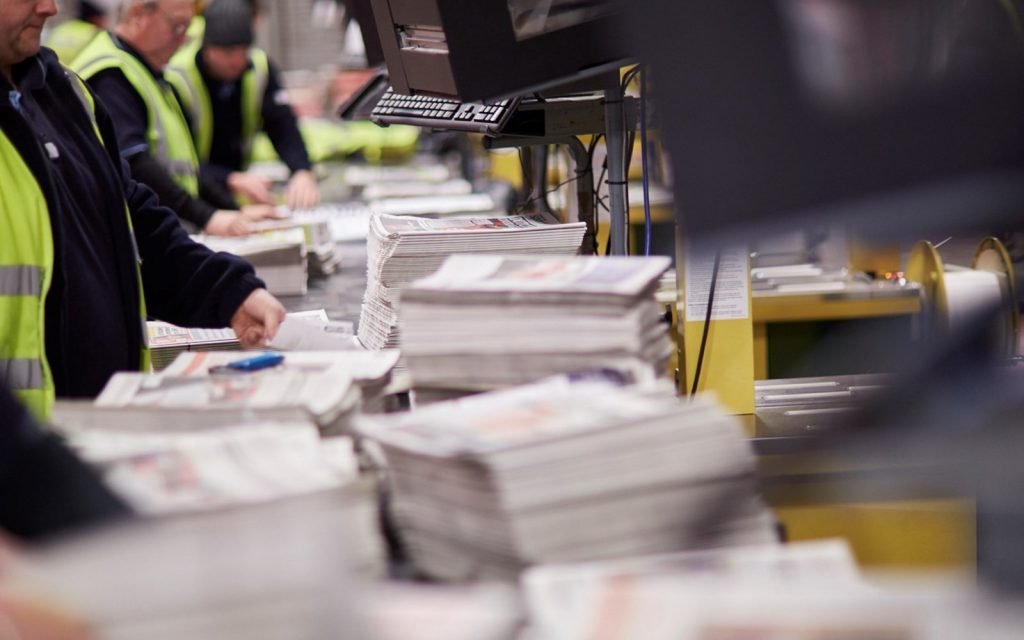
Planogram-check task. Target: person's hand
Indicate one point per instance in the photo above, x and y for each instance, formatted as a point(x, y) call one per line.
point(256, 321)
point(256, 212)
point(302, 191)
point(32, 617)
point(250, 186)
point(227, 223)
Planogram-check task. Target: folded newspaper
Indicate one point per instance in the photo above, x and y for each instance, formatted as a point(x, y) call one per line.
point(416, 188)
point(435, 205)
point(369, 370)
point(279, 258)
point(410, 611)
point(485, 322)
point(402, 249)
point(315, 224)
point(572, 601)
point(566, 470)
point(173, 461)
point(263, 572)
point(166, 340)
point(329, 396)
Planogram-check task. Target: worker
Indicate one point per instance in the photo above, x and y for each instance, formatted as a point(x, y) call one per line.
point(231, 91)
point(124, 69)
point(44, 488)
point(86, 252)
point(70, 37)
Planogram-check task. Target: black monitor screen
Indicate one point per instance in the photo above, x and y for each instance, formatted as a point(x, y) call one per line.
point(535, 17)
point(488, 49)
point(896, 115)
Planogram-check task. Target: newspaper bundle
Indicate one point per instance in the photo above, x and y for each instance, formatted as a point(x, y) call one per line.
point(279, 258)
point(369, 370)
point(330, 397)
point(801, 591)
point(175, 461)
point(166, 341)
point(565, 470)
point(360, 176)
point(263, 572)
point(575, 601)
point(481, 204)
point(409, 611)
point(416, 188)
point(315, 224)
point(404, 248)
point(325, 225)
point(486, 322)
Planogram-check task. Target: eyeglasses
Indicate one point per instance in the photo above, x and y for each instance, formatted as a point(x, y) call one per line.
point(178, 28)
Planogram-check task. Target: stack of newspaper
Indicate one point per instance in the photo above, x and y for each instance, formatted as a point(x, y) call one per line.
point(264, 572)
point(369, 370)
point(566, 470)
point(359, 177)
point(279, 257)
point(329, 396)
point(416, 188)
point(315, 224)
point(480, 204)
point(643, 594)
point(486, 322)
point(401, 249)
point(410, 611)
point(166, 341)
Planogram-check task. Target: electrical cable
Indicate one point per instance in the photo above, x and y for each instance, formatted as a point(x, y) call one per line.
point(707, 324)
point(629, 75)
point(522, 207)
point(643, 162)
point(526, 174)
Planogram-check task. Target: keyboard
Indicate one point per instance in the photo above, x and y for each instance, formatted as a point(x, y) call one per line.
point(440, 113)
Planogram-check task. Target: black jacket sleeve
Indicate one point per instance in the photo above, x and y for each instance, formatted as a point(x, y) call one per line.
point(149, 172)
point(213, 186)
point(185, 283)
point(44, 488)
point(281, 126)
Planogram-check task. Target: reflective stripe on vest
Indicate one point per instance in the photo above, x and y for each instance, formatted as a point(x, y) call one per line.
point(26, 265)
point(26, 261)
point(184, 74)
point(22, 374)
point(21, 280)
point(170, 143)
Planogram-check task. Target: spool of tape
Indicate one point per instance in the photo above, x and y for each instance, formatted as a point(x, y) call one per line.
point(991, 255)
point(956, 296)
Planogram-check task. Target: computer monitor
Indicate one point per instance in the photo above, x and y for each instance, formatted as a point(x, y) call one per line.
point(361, 12)
point(487, 49)
point(899, 117)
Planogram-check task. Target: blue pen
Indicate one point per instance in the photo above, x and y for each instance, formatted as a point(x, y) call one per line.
point(255, 363)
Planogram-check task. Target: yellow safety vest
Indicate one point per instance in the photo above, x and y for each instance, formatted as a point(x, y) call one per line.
point(170, 142)
point(26, 271)
point(183, 73)
point(70, 38)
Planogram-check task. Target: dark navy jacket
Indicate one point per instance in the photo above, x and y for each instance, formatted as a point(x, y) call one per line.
point(92, 322)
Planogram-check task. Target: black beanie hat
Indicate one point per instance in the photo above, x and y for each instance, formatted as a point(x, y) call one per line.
point(88, 11)
point(228, 23)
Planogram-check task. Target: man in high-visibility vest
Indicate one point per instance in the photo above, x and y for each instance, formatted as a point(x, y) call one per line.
point(125, 69)
point(70, 37)
point(231, 91)
point(86, 252)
